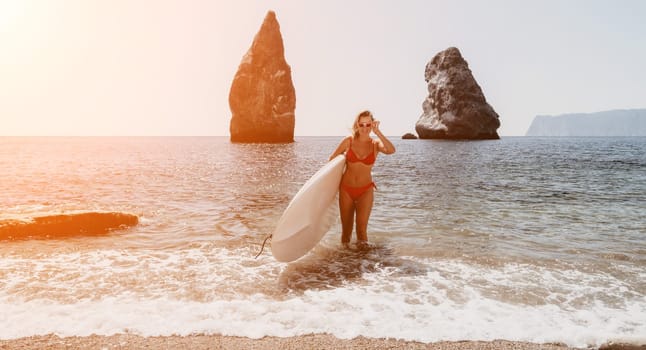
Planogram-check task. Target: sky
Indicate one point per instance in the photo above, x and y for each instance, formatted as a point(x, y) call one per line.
point(165, 67)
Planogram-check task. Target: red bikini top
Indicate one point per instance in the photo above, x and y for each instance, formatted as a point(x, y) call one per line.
point(351, 157)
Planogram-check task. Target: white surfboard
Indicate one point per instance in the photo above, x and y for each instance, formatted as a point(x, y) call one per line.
point(303, 223)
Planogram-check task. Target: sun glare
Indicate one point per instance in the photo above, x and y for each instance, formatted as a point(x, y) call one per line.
point(11, 11)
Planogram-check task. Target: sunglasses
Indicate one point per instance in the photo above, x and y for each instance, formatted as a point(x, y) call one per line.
point(365, 125)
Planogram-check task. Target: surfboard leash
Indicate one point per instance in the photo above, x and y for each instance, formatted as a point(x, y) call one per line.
point(263, 245)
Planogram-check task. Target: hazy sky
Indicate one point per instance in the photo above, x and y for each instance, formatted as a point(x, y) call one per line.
point(156, 67)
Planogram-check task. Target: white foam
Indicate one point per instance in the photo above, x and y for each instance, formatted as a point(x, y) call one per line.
point(209, 290)
point(345, 313)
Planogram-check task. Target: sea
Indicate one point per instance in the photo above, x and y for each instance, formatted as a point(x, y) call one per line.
point(523, 238)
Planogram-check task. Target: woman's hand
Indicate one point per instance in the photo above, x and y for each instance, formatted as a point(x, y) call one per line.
point(375, 126)
point(385, 146)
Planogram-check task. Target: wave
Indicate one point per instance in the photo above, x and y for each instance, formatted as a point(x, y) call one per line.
point(66, 225)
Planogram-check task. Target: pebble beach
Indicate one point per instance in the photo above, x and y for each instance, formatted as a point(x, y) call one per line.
point(196, 342)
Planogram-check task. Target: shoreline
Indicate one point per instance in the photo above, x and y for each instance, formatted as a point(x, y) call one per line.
point(308, 341)
point(311, 341)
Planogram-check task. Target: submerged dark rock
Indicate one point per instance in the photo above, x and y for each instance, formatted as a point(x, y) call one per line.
point(409, 136)
point(455, 108)
point(66, 225)
point(262, 96)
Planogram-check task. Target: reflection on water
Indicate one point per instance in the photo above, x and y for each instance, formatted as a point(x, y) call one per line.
point(507, 199)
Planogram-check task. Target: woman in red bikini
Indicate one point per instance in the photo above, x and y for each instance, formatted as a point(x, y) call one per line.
point(356, 190)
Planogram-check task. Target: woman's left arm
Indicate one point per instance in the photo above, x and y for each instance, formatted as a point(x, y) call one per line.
point(385, 146)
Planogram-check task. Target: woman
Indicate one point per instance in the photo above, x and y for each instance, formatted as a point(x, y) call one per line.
point(356, 189)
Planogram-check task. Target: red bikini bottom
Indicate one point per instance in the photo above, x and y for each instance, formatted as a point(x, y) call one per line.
point(356, 192)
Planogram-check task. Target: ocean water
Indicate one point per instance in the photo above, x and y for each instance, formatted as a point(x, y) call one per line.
point(528, 239)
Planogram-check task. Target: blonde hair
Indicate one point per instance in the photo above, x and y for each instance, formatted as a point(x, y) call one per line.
point(355, 125)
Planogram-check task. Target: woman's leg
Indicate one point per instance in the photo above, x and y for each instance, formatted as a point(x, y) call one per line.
point(364, 207)
point(346, 209)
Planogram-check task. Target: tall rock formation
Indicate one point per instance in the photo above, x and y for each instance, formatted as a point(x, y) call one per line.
point(621, 122)
point(262, 97)
point(455, 107)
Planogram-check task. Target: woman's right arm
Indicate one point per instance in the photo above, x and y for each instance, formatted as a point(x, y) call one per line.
point(343, 146)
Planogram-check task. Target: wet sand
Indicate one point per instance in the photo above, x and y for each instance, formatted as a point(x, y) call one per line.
point(315, 341)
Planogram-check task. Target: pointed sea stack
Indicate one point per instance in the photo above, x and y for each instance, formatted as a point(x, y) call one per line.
point(455, 107)
point(262, 97)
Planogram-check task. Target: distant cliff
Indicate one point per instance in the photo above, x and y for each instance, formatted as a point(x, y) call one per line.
point(623, 122)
